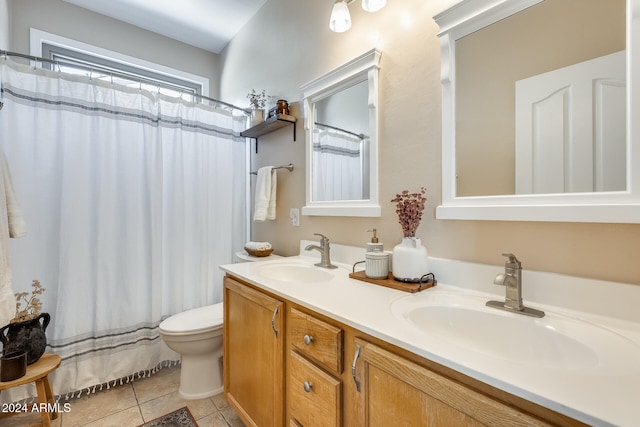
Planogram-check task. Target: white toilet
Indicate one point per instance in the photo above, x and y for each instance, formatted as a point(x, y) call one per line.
point(197, 336)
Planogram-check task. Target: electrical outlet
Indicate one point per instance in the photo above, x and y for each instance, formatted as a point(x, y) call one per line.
point(294, 215)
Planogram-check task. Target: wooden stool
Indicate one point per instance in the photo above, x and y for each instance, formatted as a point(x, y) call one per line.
point(38, 372)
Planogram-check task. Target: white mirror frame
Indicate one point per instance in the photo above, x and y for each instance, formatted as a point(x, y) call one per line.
point(363, 68)
point(605, 207)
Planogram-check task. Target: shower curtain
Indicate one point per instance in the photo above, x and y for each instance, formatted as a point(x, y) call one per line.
point(132, 201)
point(337, 165)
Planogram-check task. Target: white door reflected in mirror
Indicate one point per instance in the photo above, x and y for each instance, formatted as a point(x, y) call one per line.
point(571, 128)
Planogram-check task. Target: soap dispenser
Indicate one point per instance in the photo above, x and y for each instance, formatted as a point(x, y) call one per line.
point(374, 245)
point(376, 259)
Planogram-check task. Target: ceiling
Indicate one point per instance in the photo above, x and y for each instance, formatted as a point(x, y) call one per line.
point(207, 24)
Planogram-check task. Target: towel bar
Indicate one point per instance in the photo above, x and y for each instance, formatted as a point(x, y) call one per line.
point(288, 167)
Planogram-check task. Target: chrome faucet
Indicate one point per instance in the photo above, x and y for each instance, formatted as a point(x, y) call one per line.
point(511, 279)
point(324, 249)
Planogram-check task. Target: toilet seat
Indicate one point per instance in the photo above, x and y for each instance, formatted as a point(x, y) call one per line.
point(193, 321)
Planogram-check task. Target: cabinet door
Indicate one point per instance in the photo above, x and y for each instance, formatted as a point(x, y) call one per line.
point(396, 391)
point(253, 354)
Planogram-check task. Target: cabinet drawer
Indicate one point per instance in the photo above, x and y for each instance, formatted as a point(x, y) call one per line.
point(317, 340)
point(315, 396)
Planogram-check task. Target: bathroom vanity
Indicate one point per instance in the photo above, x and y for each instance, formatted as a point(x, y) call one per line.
point(306, 346)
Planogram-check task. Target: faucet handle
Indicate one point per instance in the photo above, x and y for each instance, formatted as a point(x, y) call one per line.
point(323, 238)
point(512, 262)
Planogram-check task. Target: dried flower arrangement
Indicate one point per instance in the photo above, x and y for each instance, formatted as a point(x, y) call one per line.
point(32, 302)
point(409, 207)
point(257, 100)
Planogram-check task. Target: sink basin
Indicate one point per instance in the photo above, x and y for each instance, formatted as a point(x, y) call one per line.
point(293, 272)
point(555, 341)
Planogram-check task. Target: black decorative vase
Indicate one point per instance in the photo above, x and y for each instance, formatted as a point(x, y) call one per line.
point(28, 336)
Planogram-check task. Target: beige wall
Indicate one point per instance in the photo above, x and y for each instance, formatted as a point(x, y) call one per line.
point(66, 20)
point(288, 43)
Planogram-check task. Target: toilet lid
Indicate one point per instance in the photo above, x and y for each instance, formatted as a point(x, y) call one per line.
point(208, 317)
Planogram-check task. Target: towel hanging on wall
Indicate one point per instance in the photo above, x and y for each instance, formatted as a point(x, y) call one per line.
point(265, 194)
point(11, 225)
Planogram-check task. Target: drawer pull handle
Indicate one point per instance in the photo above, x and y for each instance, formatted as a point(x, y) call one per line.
point(308, 339)
point(273, 320)
point(353, 368)
point(307, 386)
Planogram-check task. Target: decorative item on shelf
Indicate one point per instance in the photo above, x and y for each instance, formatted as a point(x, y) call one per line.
point(258, 101)
point(410, 260)
point(258, 249)
point(257, 117)
point(26, 332)
point(282, 107)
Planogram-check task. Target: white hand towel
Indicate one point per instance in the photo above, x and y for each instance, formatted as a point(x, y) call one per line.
point(271, 210)
point(17, 225)
point(263, 194)
point(11, 225)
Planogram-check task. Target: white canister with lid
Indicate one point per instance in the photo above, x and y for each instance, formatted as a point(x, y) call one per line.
point(376, 264)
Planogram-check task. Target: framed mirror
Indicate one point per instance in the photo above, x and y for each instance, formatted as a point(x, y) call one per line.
point(537, 107)
point(341, 123)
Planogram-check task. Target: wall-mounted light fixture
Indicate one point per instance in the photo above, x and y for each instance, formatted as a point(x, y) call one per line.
point(373, 5)
point(340, 20)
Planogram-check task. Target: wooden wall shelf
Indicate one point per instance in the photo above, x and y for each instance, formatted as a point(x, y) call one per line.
point(269, 125)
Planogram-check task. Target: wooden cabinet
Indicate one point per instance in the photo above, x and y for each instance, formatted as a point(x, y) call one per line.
point(253, 354)
point(397, 391)
point(335, 375)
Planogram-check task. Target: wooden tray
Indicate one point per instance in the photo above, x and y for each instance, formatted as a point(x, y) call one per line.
point(390, 282)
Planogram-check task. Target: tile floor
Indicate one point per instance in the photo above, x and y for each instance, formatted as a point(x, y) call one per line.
point(133, 404)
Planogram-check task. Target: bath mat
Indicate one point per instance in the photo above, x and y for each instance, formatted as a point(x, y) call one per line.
point(180, 418)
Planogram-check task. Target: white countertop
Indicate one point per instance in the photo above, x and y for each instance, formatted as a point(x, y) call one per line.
point(608, 397)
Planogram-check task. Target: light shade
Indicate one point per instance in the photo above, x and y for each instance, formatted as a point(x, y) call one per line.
point(373, 5)
point(340, 20)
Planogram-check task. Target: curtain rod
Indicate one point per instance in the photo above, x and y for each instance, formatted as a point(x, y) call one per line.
point(359, 135)
point(112, 74)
